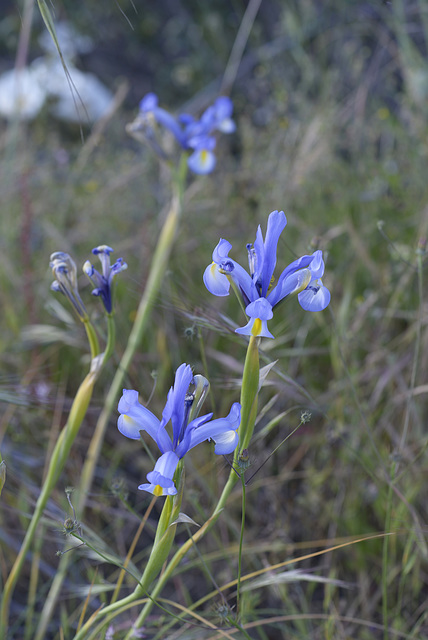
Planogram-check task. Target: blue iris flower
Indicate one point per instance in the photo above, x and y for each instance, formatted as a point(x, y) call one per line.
point(257, 288)
point(103, 281)
point(187, 432)
point(192, 135)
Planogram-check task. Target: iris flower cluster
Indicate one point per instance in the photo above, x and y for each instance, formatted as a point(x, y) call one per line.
point(192, 135)
point(182, 406)
point(257, 288)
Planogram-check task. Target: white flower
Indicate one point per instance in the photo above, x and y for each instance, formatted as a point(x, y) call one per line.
point(21, 94)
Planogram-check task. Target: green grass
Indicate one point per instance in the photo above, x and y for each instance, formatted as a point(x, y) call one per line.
point(330, 128)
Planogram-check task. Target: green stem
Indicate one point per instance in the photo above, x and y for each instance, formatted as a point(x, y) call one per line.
point(92, 338)
point(241, 541)
point(111, 337)
point(2, 473)
point(249, 393)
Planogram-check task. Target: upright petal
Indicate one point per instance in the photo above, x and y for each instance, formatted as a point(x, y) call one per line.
point(175, 405)
point(275, 226)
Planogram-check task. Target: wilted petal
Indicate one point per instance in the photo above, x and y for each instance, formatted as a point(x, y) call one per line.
point(103, 281)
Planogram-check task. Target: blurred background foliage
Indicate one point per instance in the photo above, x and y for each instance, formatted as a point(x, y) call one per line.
point(331, 106)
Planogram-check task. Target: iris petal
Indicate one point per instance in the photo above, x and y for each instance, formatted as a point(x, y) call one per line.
point(134, 417)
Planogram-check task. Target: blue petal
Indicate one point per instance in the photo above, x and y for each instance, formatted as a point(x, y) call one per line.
point(217, 283)
point(201, 161)
point(260, 308)
point(282, 289)
point(259, 311)
point(149, 102)
point(275, 226)
point(317, 264)
point(169, 122)
point(135, 418)
point(255, 328)
point(293, 283)
point(175, 405)
point(161, 478)
point(314, 298)
point(222, 430)
point(223, 110)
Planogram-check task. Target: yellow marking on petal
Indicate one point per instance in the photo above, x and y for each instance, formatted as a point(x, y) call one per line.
point(204, 156)
point(304, 282)
point(257, 327)
point(271, 283)
point(158, 491)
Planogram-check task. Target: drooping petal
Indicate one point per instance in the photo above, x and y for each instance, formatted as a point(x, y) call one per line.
point(135, 418)
point(282, 288)
point(186, 442)
point(226, 442)
point(217, 283)
point(222, 430)
point(223, 107)
point(201, 161)
point(315, 297)
point(292, 284)
point(259, 312)
point(161, 478)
